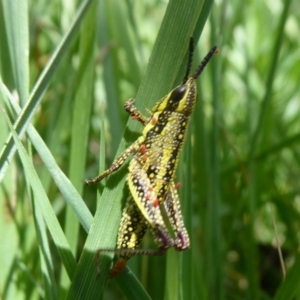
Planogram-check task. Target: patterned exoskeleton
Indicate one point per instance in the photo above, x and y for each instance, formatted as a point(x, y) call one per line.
point(152, 171)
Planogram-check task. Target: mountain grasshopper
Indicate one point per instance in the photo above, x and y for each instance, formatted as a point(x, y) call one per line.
point(152, 171)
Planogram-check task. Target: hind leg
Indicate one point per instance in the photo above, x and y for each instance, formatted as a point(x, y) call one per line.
point(132, 229)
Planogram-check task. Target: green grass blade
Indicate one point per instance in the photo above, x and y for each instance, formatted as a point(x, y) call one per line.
point(290, 285)
point(271, 77)
point(40, 87)
point(45, 207)
point(68, 191)
point(47, 265)
point(80, 123)
point(16, 25)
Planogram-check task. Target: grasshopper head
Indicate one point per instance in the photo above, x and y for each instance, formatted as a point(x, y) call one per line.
point(182, 99)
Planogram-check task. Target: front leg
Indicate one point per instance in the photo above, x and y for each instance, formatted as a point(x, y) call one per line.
point(133, 111)
point(117, 162)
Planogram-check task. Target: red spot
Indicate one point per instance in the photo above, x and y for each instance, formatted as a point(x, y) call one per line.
point(217, 51)
point(143, 149)
point(147, 196)
point(177, 185)
point(118, 267)
point(154, 120)
point(155, 203)
point(135, 118)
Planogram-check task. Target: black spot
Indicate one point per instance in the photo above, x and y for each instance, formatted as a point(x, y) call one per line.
point(178, 93)
point(159, 126)
point(175, 98)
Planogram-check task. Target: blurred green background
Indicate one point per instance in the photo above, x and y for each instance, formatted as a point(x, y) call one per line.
point(67, 68)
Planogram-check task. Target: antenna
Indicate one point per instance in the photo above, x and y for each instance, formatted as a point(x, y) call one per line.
point(204, 62)
point(190, 61)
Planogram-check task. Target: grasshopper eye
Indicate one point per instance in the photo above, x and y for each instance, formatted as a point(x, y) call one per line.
point(178, 93)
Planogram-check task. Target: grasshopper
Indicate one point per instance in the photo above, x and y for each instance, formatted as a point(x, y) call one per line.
point(152, 171)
